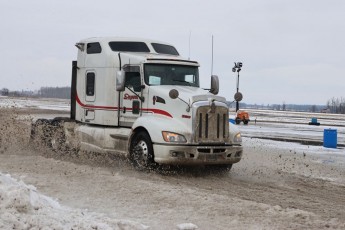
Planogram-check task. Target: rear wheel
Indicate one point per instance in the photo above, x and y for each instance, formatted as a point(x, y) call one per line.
point(245, 122)
point(238, 121)
point(57, 140)
point(40, 133)
point(141, 151)
point(49, 134)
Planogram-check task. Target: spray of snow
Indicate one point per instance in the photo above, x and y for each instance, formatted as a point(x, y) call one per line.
point(23, 207)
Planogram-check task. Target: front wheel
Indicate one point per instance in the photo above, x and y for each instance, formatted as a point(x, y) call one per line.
point(141, 151)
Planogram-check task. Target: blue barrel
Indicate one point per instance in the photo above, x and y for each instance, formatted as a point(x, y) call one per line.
point(232, 121)
point(314, 120)
point(330, 138)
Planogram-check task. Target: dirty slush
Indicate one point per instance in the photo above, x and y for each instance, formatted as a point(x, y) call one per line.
point(271, 188)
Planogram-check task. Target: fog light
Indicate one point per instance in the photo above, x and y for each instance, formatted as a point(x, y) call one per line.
point(238, 154)
point(177, 154)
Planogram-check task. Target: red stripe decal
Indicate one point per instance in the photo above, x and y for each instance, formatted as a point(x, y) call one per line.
point(93, 106)
point(156, 111)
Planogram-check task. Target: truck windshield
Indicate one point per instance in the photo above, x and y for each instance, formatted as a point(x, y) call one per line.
point(163, 74)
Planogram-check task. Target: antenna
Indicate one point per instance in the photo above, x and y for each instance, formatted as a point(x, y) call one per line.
point(212, 58)
point(190, 34)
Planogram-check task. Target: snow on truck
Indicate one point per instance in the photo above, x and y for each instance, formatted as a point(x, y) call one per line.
point(140, 98)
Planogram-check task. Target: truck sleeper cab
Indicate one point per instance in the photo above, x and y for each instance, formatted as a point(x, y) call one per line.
point(140, 98)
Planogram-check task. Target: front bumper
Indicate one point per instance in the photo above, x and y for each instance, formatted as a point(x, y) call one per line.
point(197, 154)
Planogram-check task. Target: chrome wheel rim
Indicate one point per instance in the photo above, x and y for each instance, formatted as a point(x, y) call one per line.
point(141, 151)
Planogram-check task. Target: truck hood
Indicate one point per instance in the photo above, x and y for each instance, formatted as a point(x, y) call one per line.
point(187, 93)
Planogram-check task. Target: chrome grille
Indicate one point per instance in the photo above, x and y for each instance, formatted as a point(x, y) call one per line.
point(211, 127)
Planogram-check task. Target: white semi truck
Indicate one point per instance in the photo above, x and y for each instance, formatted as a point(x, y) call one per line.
point(140, 98)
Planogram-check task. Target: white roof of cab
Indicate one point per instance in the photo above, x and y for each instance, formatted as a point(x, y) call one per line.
point(119, 39)
point(106, 40)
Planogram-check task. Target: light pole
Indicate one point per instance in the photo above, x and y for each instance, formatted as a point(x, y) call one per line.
point(238, 96)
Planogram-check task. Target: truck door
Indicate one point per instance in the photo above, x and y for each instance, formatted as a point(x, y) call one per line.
point(130, 104)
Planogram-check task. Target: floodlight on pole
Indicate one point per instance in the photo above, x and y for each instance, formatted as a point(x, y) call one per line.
point(238, 96)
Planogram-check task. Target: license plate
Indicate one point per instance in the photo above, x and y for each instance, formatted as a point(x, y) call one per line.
point(211, 157)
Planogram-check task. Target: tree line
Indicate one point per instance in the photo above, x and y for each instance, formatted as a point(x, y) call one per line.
point(282, 107)
point(333, 105)
point(336, 105)
point(47, 92)
point(55, 92)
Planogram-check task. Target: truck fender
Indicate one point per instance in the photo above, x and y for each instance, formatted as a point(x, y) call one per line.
point(155, 124)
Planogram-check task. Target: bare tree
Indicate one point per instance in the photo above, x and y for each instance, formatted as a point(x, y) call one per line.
point(313, 108)
point(336, 105)
point(284, 106)
point(55, 92)
point(4, 92)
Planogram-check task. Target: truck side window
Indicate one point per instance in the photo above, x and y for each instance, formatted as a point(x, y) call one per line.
point(124, 46)
point(164, 49)
point(93, 48)
point(90, 84)
point(133, 80)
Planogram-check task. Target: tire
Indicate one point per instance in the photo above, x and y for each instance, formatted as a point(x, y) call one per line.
point(238, 121)
point(57, 141)
point(245, 122)
point(40, 134)
point(141, 151)
point(48, 134)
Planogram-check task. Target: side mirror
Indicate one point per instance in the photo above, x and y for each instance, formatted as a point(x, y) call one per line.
point(120, 81)
point(214, 85)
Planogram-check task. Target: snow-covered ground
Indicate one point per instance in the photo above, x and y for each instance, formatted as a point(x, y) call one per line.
point(295, 117)
point(35, 103)
point(23, 207)
point(277, 184)
point(280, 125)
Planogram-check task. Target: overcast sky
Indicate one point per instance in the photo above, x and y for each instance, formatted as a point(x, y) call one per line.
point(293, 51)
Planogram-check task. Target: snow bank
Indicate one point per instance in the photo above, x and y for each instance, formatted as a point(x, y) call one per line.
point(23, 207)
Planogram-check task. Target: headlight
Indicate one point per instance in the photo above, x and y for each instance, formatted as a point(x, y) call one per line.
point(238, 138)
point(173, 137)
